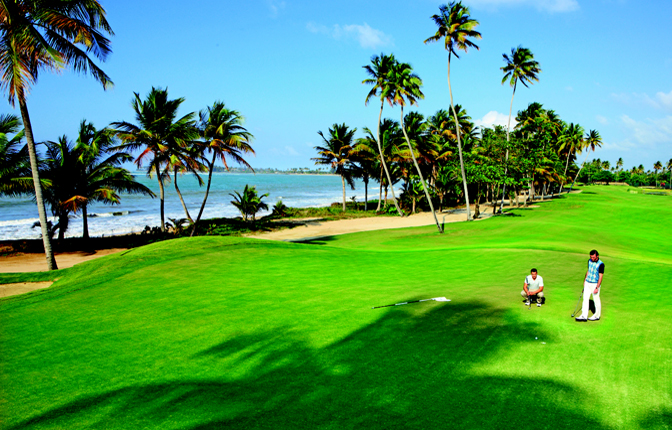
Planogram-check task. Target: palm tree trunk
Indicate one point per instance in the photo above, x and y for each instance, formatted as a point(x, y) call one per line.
point(506, 161)
point(569, 153)
point(424, 185)
point(343, 182)
point(28, 130)
point(186, 211)
point(85, 222)
point(366, 194)
point(578, 173)
point(382, 160)
point(207, 191)
point(459, 144)
point(380, 191)
point(158, 176)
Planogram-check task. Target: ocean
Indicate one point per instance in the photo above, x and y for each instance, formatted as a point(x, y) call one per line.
point(17, 215)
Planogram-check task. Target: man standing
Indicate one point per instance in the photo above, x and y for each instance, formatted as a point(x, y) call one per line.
point(533, 288)
point(591, 285)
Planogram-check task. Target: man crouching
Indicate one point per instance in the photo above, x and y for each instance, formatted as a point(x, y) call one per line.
point(533, 288)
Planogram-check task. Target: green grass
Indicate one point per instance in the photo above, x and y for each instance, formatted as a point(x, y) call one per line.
point(225, 332)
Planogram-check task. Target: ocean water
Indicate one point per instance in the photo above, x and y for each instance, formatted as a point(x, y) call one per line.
point(17, 215)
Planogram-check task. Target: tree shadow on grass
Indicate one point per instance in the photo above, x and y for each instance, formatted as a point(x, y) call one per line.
point(406, 370)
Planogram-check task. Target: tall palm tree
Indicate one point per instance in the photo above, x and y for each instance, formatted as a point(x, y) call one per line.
point(669, 168)
point(456, 28)
point(591, 141)
point(365, 154)
point(522, 67)
point(336, 153)
point(405, 87)
point(379, 70)
point(619, 164)
point(571, 140)
point(656, 167)
point(48, 35)
point(159, 133)
point(224, 138)
point(100, 173)
point(15, 176)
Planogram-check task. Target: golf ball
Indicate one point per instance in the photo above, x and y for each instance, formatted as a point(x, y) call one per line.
point(535, 338)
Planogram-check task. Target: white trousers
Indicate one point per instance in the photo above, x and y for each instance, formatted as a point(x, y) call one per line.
point(588, 289)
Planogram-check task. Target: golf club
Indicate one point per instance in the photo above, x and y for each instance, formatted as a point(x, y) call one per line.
point(436, 299)
point(529, 303)
point(576, 309)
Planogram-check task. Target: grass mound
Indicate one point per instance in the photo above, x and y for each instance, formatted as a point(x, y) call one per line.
point(222, 332)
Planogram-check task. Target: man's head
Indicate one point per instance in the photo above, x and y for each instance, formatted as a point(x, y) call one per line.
point(533, 272)
point(594, 255)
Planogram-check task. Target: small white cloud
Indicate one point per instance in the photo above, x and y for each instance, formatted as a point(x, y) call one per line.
point(551, 6)
point(660, 100)
point(365, 35)
point(290, 150)
point(649, 132)
point(602, 120)
point(494, 118)
point(276, 6)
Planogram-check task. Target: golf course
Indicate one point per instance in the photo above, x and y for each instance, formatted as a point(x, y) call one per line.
point(245, 333)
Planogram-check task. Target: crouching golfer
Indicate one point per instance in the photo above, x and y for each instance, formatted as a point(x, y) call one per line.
point(533, 288)
point(591, 285)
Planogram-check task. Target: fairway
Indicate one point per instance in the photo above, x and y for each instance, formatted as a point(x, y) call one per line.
point(237, 333)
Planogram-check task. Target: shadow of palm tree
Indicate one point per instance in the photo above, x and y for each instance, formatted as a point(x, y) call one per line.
point(405, 370)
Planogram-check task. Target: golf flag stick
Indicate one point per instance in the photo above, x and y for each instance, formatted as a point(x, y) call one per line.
point(436, 299)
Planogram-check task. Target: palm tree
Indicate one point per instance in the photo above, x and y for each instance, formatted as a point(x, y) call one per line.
point(336, 153)
point(364, 153)
point(224, 137)
point(571, 140)
point(249, 203)
point(669, 168)
point(522, 67)
point(41, 35)
point(379, 70)
point(657, 166)
point(15, 176)
point(456, 28)
point(591, 141)
point(100, 173)
point(405, 87)
point(61, 171)
point(159, 133)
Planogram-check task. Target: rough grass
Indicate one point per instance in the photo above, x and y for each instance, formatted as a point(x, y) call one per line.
point(220, 332)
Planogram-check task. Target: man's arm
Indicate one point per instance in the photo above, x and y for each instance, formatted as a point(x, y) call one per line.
point(599, 283)
point(525, 289)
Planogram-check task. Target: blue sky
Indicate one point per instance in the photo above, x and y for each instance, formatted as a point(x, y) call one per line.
point(294, 67)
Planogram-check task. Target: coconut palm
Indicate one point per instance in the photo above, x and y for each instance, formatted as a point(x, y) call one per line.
point(159, 133)
point(224, 138)
point(591, 141)
point(456, 28)
point(405, 88)
point(61, 170)
point(619, 164)
point(336, 153)
point(100, 173)
point(379, 70)
point(520, 67)
point(571, 140)
point(48, 35)
point(365, 155)
point(249, 203)
point(15, 176)
point(656, 167)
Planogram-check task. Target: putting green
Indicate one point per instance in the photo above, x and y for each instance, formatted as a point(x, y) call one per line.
point(241, 333)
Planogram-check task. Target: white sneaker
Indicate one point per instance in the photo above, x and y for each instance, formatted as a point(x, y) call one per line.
point(581, 319)
point(594, 318)
point(527, 303)
point(539, 305)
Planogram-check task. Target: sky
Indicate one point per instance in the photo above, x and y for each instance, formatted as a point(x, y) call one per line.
point(295, 67)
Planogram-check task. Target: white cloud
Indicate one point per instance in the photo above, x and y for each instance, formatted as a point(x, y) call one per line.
point(551, 6)
point(284, 151)
point(649, 132)
point(493, 118)
point(660, 100)
point(276, 6)
point(602, 120)
point(365, 35)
